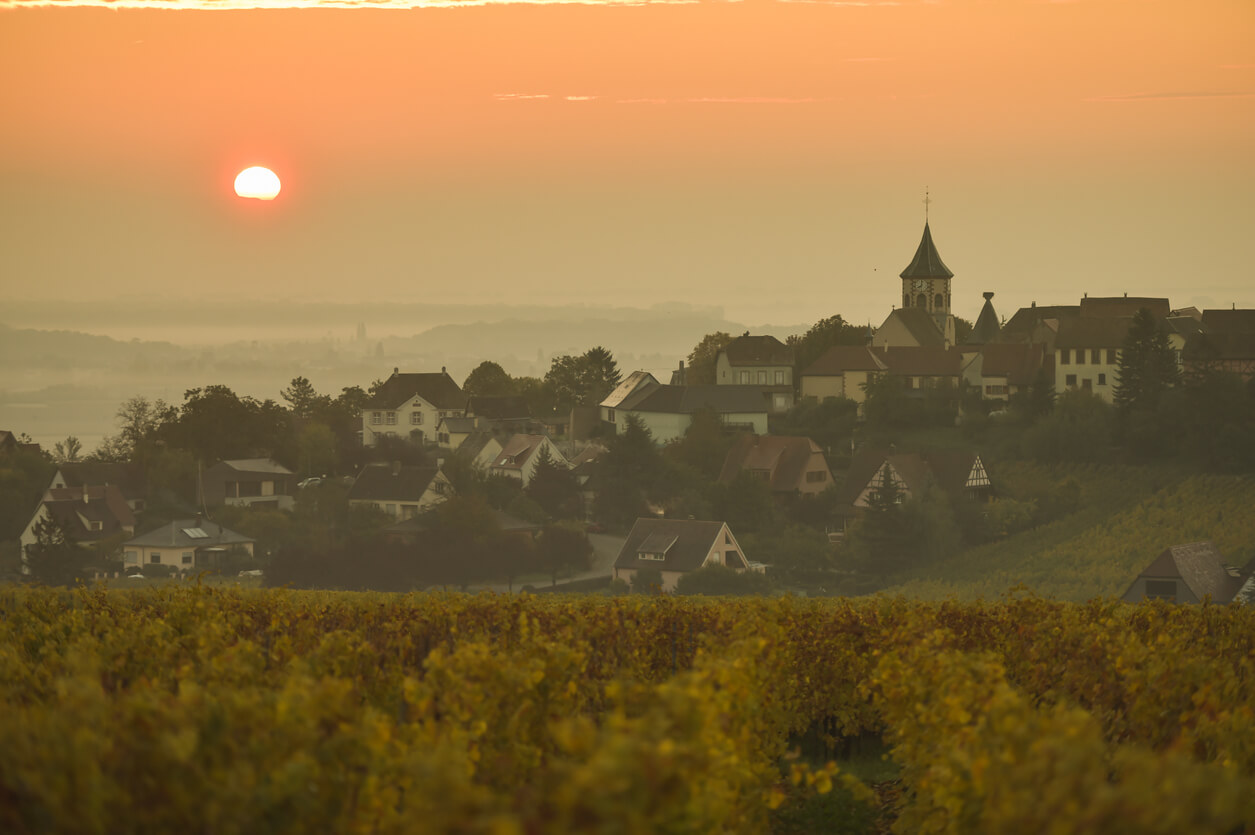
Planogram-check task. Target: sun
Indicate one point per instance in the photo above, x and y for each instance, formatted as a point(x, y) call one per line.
point(257, 183)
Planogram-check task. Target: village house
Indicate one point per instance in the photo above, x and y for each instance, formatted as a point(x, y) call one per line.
point(666, 410)
point(1189, 573)
point(790, 465)
point(186, 544)
point(129, 478)
point(762, 361)
point(249, 482)
point(520, 455)
point(401, 491)
point(959, 473)
point(410, 406)
point(675, 547)
point(95, 516)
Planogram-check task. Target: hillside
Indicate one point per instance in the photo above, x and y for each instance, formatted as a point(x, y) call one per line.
point(1125, 517)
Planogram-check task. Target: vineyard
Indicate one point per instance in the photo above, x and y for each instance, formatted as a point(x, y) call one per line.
point(186, 707)
point(1123, 519)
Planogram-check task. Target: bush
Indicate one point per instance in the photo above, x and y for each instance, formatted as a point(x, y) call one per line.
point(719, 581)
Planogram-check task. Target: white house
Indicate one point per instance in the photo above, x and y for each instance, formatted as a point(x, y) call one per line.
point(400, 491)
point(411, 406)
point(666, 410)
point(520, 454)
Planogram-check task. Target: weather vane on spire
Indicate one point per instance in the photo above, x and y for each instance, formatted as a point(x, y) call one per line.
point(927, 200)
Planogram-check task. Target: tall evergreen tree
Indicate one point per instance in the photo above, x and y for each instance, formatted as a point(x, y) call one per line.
point(1148, 366)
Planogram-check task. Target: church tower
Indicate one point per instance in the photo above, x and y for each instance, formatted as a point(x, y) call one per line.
point(926, 285)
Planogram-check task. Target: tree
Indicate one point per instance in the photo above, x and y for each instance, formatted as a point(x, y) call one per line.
point(702, 359)
point(880, 540)
point(563, 548)
point(1147, 367)
point(823, 335)
point(1078, 429)
point(704, 445)
point(582, 380)
point(627, 471)
point(747, 501)
point(554, 488)
point(67, 451)
point(304, 401)
point(141, 423)
point(214, 424)
point(54, 558)
point(316, 449)
point(488, 379)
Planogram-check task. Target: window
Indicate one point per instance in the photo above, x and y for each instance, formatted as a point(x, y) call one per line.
point(780, 402)
point(416, 418)
point(1080, 356)
point(132, 557)
point(906, 300)
point(154, 557)
point(780, 378)
point(187, 557)
point(376, 418)
point(96, 525)
point(610, 415)
point(761, 475)
point(762, 378)
point(390, 509)
point(1161, 589)
point(940, 302)
point(391, 419)
point(1065, 356)
point(1111, 356)
point(1087, 384)
point(921, 300)
point(1070, 381)
point(1102, 379)
point(909, 382)
point(816, 476)
point(745, 378)
point(1095, 356)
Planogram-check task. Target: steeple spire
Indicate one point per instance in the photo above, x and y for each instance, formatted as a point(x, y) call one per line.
point(926, 263)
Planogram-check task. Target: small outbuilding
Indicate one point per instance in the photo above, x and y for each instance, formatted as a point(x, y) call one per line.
point(1187, 574)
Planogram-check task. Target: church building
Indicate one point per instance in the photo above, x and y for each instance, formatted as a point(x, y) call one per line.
point(924, 320)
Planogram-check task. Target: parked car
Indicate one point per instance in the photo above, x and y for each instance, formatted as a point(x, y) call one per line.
point(312, 481)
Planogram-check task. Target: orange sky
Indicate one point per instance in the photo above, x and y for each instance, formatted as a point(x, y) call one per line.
point(768, 157)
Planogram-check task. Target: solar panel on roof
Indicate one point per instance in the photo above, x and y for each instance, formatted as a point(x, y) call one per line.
point(195, 533)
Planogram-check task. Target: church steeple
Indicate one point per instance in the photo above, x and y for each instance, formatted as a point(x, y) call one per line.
point(926, 263)
point(926, 284)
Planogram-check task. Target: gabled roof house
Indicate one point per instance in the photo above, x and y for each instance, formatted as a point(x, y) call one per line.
point(787, 464)
point(1188, 573)
point(677, 546)
point(399, 490)
point(410, 406)
point(186, 544)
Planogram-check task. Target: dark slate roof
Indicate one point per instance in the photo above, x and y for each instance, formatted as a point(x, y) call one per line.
point(986, 327)
point(252, 466)
point(785, 457)
point(926, 263)
point(1108, 306)
point(128, 477)
point(458, 424)
point(690, 542)
point(1229, 321)
point(757, 350)
point(1023, 325)
point(384, 482)
point(688, 399)
point(1200, 566)
point(922, 362)
point(104, 504)
point(1219, 346)
point(174, 535)
point(498, 408)
point(1017, 361)
point(1085, 332)
point(437, 388)
point(920, 324)
point(842, 358)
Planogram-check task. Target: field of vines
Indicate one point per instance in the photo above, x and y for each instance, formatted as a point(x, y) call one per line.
point(1124, 518)
point(187, 708)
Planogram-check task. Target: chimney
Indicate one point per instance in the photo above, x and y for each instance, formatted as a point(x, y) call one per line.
point(444, 370)
point(1034, 304)
point(1126, 294)
point(396, 370)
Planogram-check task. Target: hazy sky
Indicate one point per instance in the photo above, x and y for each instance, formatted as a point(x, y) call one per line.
point(770, 157)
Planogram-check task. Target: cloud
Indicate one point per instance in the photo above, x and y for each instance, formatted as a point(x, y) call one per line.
point(1240, 94)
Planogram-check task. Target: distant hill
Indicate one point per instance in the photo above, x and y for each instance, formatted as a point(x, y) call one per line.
point(65, 350)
